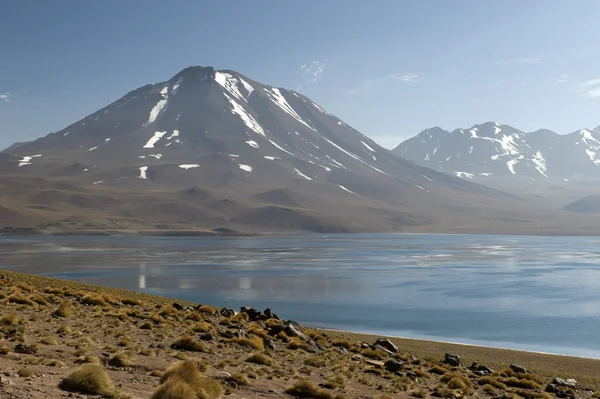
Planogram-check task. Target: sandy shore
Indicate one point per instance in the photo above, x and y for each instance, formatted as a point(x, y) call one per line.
point(144, 330)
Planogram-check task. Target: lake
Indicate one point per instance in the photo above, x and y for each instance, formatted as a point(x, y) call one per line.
point(520, 292)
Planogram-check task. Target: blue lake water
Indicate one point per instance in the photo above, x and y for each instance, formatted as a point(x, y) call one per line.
point(521, 292)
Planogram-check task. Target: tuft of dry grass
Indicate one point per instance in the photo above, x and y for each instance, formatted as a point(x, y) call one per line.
point(64, 310)
point(94, 300)
point(131, 302)
point(20, 299)
point(87, 360)
point(122, 359)
point(335, 381)
point(91, 379)
point(261, 358)
point(253, 342)
point(343, 343)
point(64, 330)
point(521, 383)
point(49, 340)
point(306, 389)
point(187, 343)
point(456, 381)
point(184, 379)
point(207, 309)
point(317, 361)
point(374, 354)
point(4, 350)
point(40, 300)
point(493, 382)
point(203, 327)
point(146, 326)
point(10, 320)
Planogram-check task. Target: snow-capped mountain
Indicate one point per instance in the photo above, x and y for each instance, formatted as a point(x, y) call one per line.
point(218, 148)
point(491, 152)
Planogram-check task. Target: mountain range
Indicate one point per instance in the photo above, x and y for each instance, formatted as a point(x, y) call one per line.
point(493, 153)
point(213, 150)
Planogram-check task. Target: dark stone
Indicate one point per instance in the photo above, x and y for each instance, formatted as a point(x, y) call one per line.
point(177, 306)
point(276, 329)
point(296, 325)
point(387, 344)
point(227, 312)
point(364, 345)
point(382, 349)
point(252, 313)
point(292, 331)
point(270, 315)
point(480, 369)
point(240, 334)
point(393, 365)
point(26, 349)
point(518, 369)
point(224, 333)
point(453, 360)
point(414, 360)
point(206, 336)
point(341, 350)
point(269, 344)
point(412, 375)
point(561, 382)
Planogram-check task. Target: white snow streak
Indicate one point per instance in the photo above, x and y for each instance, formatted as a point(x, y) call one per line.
point(427, 177)
point(302, 174)
point(107, 140)
point(270, 158)
point(143, 171)
point(244, 116)
point(247, 86)
point(511, 165)
point(252, 143)
point(174, 134)
point(353, 156)
point(176, 85)
point(247, 168)
point(368, 147)
point(345, 189)
point(321, 110)
point(277, 98)
point(92, 149)
point(159, 106)
point(281, 148)
point(465, 175)
point(540, 163)
point(233, 155)
point(154, 139)
point(189, 166)
point(157, 156)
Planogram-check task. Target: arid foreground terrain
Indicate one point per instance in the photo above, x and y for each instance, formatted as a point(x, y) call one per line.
point(65, 339)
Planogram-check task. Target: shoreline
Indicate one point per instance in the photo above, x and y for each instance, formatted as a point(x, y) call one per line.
point(583, 369)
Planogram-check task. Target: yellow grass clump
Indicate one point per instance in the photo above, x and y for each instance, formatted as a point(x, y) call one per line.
point(306, 389)
point(64, 310)
point(253, 342)
point(187, 343)
point(184, 381)
point(91, 379)
point(260, 358)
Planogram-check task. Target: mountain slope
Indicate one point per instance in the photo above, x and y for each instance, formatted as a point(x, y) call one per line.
point(212, 148)
point(490, 152)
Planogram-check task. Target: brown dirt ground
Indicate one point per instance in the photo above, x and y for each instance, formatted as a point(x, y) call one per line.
point(112, 326)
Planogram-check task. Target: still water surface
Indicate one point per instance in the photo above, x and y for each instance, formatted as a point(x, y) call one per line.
point(532, 293)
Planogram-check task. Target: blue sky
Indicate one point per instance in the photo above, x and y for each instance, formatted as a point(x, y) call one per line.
point(390, 68)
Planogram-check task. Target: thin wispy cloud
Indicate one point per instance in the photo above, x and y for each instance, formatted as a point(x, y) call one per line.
point(372, 83)
point(564, 78)
point(590, 88)
point(519, 61)
point(5, 97)
point(311, 73)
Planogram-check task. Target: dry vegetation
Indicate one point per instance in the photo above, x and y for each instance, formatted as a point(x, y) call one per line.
point(60, 338)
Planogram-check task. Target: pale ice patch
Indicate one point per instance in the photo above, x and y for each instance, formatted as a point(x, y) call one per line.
point(278, 99)
point(107, 140)
point(246, 168)
point(142, 157)
point(154, 139)
point(588, 137)
point(176, 85)
point(24, 164)
point(252, 143)
point(368, 147)
point(427, 158)
point(592, 156)
point(345, 189)
point(474, 133)
point(158, 108)
point(464, 175)
point(93, 148)
point(470, 149)
point(495, 157)
point(189, 166)
point(540, 163)
point(419, 187)
point(497, 130)
point(248, 120)
point(427, 177)
point(270, 158)
point(173, 135)
point(229, 83)
point(339, 165)
point(485, 174)
point(247, 86)
point(233, 155)
point(66, 134)
point(157, 156)
point(302, 174)
point(511, 165)
point(98, 182)
point(143, 174)
point(435, 150)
